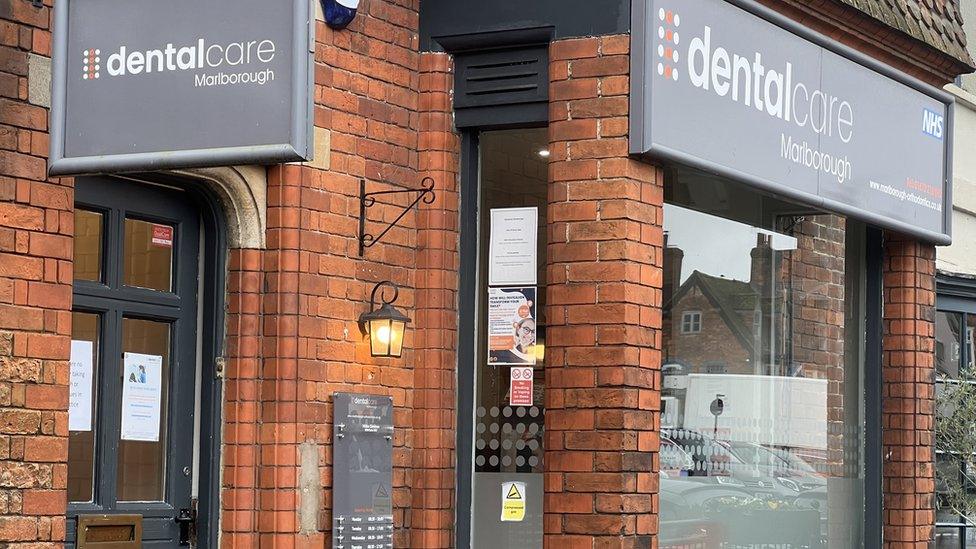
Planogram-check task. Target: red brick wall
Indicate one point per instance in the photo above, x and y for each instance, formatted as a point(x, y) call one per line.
point(432, 496)
point(293, 339)
point(908, 399)
point(36, 225)
point(242, 406)
point(603, 351)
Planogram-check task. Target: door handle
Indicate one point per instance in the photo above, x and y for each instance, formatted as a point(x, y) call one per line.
point(186, 519)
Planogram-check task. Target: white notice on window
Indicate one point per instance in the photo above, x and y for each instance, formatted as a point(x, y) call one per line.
point(80, 389)
point(513, 247)
point(142, 395)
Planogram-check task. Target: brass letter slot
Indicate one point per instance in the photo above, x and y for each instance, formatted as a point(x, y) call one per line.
point(109, 532)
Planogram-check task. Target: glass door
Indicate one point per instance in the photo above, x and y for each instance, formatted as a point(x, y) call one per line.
point(509, 381)
point(133, 362)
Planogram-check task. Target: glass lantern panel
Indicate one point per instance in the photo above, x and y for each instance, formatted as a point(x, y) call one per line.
point(379, 337)
point(396, 338)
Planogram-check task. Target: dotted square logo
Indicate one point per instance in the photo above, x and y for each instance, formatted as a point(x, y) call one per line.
point(93, 64)
point(667, 51)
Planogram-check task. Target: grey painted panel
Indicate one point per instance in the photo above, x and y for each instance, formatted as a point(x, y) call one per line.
point(488, 529)
point(144, 85)
point(746, 94)
point(362, 472)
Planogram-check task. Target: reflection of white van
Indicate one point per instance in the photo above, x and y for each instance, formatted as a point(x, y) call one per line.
point(774, 411)
point(672, 412)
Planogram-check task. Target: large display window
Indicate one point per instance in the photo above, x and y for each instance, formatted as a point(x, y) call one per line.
point(762, 439)
point(955, 362)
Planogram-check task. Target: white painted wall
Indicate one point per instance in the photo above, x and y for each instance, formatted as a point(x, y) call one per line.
point(960, 257)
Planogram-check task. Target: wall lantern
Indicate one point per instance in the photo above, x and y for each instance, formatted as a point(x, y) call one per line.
point(384, 326)
point(339, 13)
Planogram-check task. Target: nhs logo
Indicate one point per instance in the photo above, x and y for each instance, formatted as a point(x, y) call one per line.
point(933, 123)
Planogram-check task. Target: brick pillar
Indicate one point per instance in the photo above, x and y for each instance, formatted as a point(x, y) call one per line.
point(432, 510)
point(278, 434)
point(603, 352)
point(908, 396)
point(242, 407)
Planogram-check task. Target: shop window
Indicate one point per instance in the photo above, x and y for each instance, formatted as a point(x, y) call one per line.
point(766, 412)
point(955, 457)
point(691, 322)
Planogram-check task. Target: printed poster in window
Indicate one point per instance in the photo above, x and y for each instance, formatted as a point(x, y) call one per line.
point(142, 396)
point(511, 326)
point(513, 246)
point(82, 376)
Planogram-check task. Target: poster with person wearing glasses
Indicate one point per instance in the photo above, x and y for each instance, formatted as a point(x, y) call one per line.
point(511, 326)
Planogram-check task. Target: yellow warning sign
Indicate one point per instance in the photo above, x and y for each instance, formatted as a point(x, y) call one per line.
point(382, 503)
point(513, 501)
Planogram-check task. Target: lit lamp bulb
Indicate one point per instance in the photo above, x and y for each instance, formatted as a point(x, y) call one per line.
point(383, 334)
point(384, 326)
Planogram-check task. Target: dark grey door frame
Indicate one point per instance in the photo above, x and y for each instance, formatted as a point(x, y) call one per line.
point(191, 209)
point(467, 324)
point(873, 388)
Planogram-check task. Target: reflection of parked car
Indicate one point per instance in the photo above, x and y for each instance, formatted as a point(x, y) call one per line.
point(697, 513)
point(682, 512)
point(788, 469)
point(675, 462)
point(709, 457)
point(751, 466)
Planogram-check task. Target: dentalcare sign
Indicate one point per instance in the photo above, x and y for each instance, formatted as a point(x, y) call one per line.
point(732, 88)
point(147, 85)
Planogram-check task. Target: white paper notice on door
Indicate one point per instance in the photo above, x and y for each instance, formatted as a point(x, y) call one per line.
point(513, 247)
point(80, 389)
point(142, 396)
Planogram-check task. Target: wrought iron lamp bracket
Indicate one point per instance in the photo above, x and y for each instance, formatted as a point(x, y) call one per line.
point(367, 200)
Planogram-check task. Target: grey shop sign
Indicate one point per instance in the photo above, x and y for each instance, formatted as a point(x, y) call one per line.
point(732, 88)
point(148, 85)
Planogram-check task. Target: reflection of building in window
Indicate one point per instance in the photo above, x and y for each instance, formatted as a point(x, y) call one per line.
point(969, 346)
point(777, 330)
point(691, 322)
point(786, 319)
point(716, 368)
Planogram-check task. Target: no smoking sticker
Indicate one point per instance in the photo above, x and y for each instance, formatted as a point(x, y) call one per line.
point(513, 501)
point(521, 388)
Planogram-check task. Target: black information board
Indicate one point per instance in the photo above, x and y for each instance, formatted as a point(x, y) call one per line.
point(362, 472)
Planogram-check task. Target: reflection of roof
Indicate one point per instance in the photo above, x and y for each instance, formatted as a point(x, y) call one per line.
point(938, 23)
point(734, 299)
point(737, 295)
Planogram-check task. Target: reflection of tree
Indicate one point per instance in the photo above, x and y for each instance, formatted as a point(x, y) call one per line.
point(955, 438)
